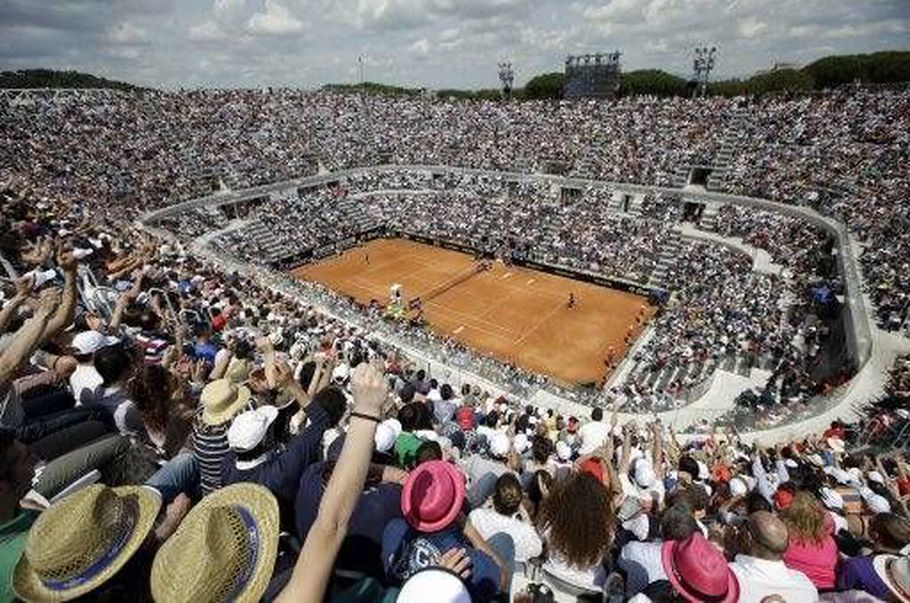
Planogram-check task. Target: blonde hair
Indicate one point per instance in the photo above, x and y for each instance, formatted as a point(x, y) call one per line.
point(805, 519)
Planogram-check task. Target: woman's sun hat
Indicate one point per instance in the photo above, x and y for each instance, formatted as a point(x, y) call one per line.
point(221, 400)
point(78, 544)
point(224, 549)
point(432, 496)
point(894, 571)
point(698, 571)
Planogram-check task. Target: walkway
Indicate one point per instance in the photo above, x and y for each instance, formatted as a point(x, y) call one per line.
point(761, 259)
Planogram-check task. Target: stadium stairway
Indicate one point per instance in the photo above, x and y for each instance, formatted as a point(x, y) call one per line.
point(681, 176)
point(725, 154)
point(666, 258)
point(708, 219)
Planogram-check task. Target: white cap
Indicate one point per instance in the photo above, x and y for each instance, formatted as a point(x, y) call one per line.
point(791, 464)
point(521, 443)
point(875, 476)
point(563, 451)
point(249, 428)
point(499, 445)
point(340, 373)
point(89, 342)
point(385, 437)
point(738, 487)
point(434, 584)
point(832, 499)
point(644, 474)
point(39, 277)
point(82, 253)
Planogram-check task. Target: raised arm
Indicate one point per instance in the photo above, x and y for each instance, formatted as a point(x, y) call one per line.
point(314, 565)
point(626, 460)
point(23, 290)
point(27, 338)
point(657, 450)
point(66, 311)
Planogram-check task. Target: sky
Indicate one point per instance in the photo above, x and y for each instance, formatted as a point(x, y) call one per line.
point(426, 43)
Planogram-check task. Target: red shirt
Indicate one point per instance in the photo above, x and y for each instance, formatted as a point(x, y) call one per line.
point(818, 560)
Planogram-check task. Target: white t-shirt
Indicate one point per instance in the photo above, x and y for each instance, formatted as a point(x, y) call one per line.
point(759, 578)
point(85, 382)
point(643, 564)
point(489, 522)
point(593, 435)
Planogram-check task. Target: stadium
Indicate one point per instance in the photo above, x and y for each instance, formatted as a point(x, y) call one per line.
point(610, 342)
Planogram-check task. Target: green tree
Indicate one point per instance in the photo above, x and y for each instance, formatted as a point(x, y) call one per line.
point(51, 78)
point(879, 67)
point(651, 81)
point(548, 85)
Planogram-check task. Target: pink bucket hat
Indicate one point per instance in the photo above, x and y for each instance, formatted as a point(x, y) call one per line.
point(698, 571)
point(433, 495)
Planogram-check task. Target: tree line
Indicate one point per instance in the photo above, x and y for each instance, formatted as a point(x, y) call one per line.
point(889, 67)
point(52, 78)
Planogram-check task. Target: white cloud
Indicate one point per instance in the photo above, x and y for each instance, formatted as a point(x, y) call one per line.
point(126, 33)
point(752, 26)
point(274, 20)
point(420, 47)
point(228, 5)
point(207, 31)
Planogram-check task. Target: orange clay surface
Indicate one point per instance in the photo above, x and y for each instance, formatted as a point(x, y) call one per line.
point(513, 313)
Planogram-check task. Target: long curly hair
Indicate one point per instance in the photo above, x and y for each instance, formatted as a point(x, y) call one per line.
point(578, 519)
point(805, 518)
point(150, 388)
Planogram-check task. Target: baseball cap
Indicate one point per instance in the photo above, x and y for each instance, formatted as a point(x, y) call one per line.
point(249, 428)
point(385, 436)
point(434, 584)
point(340, 373)
point(89, 342)
point(499, 445)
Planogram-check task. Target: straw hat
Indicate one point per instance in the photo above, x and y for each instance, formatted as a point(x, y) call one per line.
point(221, 400)
point(81, 542)
point(894, 571)
point(224, 550)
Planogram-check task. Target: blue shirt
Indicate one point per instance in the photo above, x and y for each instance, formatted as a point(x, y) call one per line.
point(206, 350)
point(280, 472)
point(362, 547)
point(405, 551)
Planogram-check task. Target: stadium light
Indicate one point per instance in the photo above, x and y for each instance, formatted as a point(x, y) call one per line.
point(506, 79)
point(702, 65)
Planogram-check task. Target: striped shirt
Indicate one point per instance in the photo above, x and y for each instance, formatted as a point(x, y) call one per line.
point(210, 445)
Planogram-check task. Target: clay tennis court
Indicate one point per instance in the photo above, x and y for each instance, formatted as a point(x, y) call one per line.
point(515, 314)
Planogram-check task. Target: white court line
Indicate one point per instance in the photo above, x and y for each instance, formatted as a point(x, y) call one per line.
point(458, 330)
point(540, 322)
point(507, 275)
point(531, 282)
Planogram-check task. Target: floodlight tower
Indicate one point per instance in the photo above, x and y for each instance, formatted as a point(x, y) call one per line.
point(506, 79)
point(702, 65)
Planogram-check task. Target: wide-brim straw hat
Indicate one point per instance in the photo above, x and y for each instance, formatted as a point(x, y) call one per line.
point(894, 571)
point(224, 549)
point(79, 543)
point(221, 400)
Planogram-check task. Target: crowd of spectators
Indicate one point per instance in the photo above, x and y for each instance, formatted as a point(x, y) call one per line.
point(845, 153)
point(175, 432)
point(842, 151)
